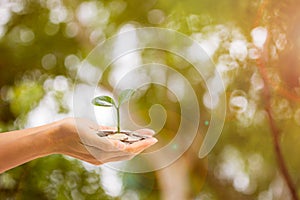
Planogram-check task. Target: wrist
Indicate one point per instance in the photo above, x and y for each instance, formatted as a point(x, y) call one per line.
point(59, 134)
point(44, 140)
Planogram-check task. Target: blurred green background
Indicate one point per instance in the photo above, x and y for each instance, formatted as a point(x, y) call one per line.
point(42, 43)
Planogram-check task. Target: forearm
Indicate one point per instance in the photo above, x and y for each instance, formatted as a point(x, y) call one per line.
point(71, 136)
point(18, 147)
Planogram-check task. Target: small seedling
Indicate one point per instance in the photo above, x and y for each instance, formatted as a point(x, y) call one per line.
point(107, 101)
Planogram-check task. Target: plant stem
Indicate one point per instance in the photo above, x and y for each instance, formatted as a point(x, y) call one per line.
point(118, 119)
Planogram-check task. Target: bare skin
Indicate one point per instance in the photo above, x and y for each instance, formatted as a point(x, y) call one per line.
point(73, 137)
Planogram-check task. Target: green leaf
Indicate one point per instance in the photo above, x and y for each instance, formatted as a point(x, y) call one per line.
point(125, 95)
point(105, 101)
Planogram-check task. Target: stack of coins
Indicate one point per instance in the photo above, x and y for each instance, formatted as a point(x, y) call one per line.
point(124, 136)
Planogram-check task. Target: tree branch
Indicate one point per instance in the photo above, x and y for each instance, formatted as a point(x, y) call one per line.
point(275, 132)
point(261, 63)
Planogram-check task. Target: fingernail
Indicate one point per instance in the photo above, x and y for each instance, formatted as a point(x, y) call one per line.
point(154, 140)
point(152, 132)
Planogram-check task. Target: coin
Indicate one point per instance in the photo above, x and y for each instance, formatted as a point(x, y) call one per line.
point(135, 134)
point(103, 132)
point(133, 139)
point(118, 136)
point(124, 136)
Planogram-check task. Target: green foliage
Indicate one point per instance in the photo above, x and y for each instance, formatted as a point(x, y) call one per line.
point(108, 101)
point(144, 184)
point(105, 101)
point(24, 96)
point(52, 177)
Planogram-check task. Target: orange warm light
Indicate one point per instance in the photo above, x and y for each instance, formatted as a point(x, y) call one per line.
point(263, 59)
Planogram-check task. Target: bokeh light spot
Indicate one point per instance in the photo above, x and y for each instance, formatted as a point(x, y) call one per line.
point(206, 123)
point(259, 36)
point(51, 29)
point(26, 35)
point(49, 61)
point(5, 15)
point(238, 102)
point(175, 146)
point(156, 16)
point(72, 29)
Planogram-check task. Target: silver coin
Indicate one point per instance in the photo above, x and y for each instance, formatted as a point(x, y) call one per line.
point(133, 139)
point(101, 133)
point(135, 134)
point(118, 136)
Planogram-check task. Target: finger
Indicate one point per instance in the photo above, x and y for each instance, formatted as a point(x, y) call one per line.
point(105, 144)
point(145, 131)
point(138, 147)
point(86, 156)
point(117, 145)
point(106, 156)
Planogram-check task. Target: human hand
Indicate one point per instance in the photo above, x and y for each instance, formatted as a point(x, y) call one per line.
point(77, 138)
